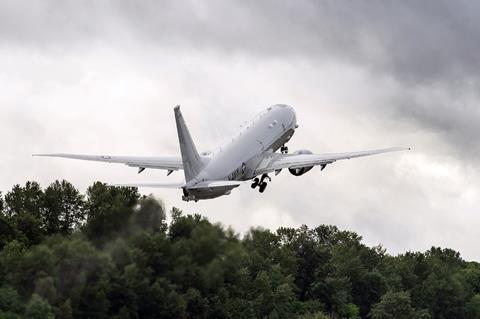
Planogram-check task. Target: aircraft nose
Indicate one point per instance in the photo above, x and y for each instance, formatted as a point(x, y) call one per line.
point(288, 113)
point(291, 115)
point(294, 118)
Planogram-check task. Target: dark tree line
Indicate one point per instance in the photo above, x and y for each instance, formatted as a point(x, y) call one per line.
point(112, 254)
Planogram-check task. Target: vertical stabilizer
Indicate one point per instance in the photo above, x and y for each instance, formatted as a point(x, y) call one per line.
point(192, 163)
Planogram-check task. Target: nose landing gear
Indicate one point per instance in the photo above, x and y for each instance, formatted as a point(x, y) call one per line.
point(284, 149)
point(262, 185)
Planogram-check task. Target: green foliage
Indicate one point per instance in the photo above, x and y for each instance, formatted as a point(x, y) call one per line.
point(108, 211)
point(472, 307)
point(27, 199)
point(150, 215)
point(111, 254)
point(63, 208)
point(317, 315)
point(393, 305)
point(38, 308)
point(10, 301)
point(24, 211)
point(2, 204)
point(64, 310)
point(30, 213)
point(9, 315)
point(7, 231)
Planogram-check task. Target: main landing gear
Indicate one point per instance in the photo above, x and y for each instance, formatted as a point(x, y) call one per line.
point(262, 185)
point(260, 182)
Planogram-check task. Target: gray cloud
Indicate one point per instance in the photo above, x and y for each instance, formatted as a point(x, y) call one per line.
point(102, 76)
point(422, 45)
point(411, 40)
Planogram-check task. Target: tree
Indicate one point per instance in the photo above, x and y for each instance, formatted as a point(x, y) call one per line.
point(10, 301)
point(63, 208)
point(310, 257)
point(7, 231)
point(472, 308)
point(65, 310)
point(108, 211)
point(45, 288)
point(470, 276)
point(10, 259)
point(393, 305)
point(24, 199)
point(124, 261)
point(441, 291)
point(368, 290)
point(23, 209)
point(38, 308)
point(2, 204)
point(150, 214)
point(316, 315)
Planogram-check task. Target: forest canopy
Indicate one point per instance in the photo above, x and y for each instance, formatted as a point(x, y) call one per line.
point(110, 253)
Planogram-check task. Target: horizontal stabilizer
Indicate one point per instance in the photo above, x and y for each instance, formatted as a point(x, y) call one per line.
point(152, 185)
point(215, 184)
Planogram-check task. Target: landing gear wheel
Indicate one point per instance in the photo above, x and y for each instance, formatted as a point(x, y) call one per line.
point(284, 149)
point(262, 187)
point(255, 182)
point(265, 176)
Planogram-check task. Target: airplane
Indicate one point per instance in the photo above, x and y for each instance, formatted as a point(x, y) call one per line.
point(252, 154)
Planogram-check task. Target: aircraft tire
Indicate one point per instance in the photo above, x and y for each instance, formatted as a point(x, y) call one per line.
point(262, 187)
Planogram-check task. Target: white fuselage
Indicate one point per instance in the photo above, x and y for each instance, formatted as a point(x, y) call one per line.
point(239, 158)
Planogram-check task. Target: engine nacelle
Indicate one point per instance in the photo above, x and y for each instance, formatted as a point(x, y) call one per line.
point(302, 170)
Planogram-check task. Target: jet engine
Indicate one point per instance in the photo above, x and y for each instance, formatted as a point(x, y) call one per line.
point(301, 170)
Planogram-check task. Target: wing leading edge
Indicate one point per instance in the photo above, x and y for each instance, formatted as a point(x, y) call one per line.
point(280, 161)
point(171, 163)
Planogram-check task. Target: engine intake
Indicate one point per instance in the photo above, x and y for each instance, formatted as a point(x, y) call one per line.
point(301, 170)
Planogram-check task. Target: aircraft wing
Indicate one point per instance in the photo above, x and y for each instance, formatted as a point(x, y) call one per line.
point(152, 185)
point(171, 163)
point(279, 161)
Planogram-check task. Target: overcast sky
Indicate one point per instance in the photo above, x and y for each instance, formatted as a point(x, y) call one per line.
point(102, 77)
